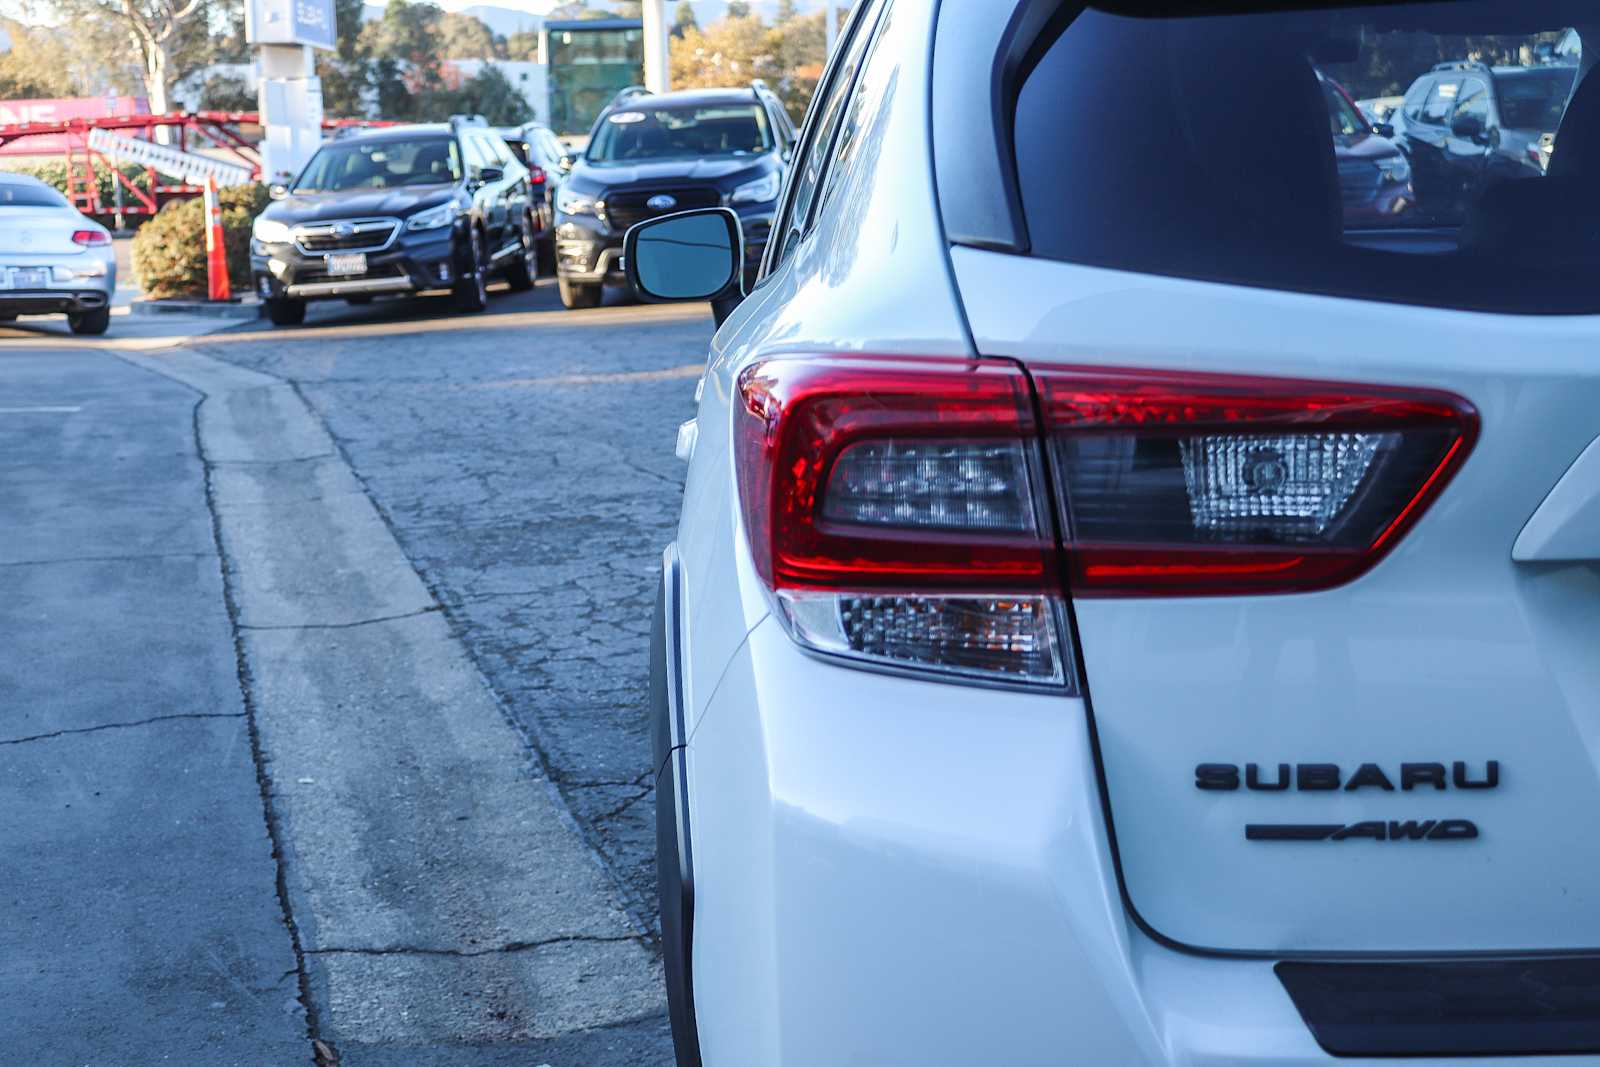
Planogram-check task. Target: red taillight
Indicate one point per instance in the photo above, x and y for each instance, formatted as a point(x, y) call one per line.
point(1197, 484)
point(850, 468)
point(536, 175)
point(896, 507)
point(90, 237)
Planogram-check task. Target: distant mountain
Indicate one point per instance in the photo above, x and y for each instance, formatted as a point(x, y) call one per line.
point(502, 21)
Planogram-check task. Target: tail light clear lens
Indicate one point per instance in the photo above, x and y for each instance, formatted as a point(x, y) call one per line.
point(1211, 484)
point(896, 506)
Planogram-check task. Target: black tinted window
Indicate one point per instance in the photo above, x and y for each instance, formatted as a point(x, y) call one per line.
point(1534, 99)
point(1223, 149)
point(20, 195)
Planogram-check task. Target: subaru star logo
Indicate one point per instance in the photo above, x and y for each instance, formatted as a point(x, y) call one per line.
point(661, 203)
point(343, 229)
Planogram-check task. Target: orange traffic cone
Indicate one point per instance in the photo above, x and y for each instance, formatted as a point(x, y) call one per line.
point(216, 250)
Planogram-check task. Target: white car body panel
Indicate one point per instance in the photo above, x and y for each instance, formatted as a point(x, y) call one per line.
point(891, 287)
point(895, 871)
point(1446, 651)
point(1567, 525)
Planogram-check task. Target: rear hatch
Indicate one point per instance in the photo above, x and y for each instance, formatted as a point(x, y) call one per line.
point(37, 231)
point(1292, 458)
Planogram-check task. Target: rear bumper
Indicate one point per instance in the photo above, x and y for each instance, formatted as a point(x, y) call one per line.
point(52, 301)
point(893, 871)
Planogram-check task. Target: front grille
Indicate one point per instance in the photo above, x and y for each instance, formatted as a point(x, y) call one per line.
point(355, 235)
point(630, 206)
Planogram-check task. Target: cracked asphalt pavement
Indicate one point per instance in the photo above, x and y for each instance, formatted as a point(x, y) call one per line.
point(323, 718)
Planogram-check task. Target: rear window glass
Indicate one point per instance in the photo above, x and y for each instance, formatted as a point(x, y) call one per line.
point(1228, 147)
point(20, 195)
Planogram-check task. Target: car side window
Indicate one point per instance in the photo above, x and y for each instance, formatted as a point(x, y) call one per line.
point(872, 91)
point(817, 138)
point(472, 151)
point(1441, 101)
point(1412, 106)
point(1473, 100)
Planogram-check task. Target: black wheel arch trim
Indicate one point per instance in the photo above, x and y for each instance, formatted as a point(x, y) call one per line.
point(674, 849)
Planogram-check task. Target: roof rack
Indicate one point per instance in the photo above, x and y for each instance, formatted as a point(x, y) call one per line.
point(624, 95)
point(468, 120)
point(759, 85)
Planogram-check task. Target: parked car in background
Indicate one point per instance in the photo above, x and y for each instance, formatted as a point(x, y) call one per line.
point(1117, 617)
point(53, 259)
point(1377, 109)
point(653, 155)
point(1374, 177)
point(548, 159)
point(398, 210)
point(1465, 126)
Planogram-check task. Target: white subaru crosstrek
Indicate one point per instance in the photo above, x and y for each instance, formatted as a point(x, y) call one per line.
point(1130, 606)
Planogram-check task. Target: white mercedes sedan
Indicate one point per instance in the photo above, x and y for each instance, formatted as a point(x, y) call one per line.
point(53, 259)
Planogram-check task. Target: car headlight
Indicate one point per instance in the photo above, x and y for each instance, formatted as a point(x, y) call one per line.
point(570, 203)
point(759, 191)
point(1394, 169)
point(270, 231)
point(435, 217)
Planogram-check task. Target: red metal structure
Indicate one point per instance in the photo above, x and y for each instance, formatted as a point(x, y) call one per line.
point(217, 131)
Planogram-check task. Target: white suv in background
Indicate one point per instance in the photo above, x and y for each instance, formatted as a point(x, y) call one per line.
point(1123, 612)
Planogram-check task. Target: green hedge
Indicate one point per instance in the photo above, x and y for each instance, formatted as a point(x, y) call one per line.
point(169, 251)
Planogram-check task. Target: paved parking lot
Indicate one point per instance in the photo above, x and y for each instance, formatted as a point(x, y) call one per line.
point(416, 607)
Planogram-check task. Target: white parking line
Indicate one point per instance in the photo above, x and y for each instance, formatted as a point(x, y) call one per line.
point(41, 411)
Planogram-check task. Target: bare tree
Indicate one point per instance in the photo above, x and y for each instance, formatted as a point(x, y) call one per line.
point(151, 24)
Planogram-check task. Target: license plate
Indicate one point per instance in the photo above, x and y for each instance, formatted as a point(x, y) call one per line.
point(30, 277)
point(348, 263)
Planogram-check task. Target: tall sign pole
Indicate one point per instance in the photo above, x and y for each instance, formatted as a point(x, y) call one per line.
point(286, 35)
point(656, 77)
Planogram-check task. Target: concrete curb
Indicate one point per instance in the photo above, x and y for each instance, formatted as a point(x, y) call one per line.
point(206, 308)
point(441, 891)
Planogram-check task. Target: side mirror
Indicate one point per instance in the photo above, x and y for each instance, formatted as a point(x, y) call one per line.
point(693, 255)
point(1383, 129)
point(277, 191)
point(1467, 127)
point(491, 174)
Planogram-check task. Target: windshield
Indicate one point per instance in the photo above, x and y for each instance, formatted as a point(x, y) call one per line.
point(1535, 100)
point(30, 196)
point(381, 165)
point(681, 133)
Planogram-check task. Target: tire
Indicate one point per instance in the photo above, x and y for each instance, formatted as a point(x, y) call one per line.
point(472, 289)
point(576, 295)
point(284, 312)
point(547, 257)
point(93, 322)
point(524, 269)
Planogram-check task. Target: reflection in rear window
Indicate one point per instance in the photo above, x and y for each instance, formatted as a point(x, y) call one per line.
point(1235, 153)
point(29, 196)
